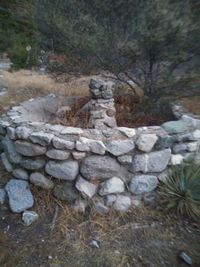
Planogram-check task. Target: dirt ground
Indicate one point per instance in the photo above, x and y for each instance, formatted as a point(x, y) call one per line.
point(144, 237)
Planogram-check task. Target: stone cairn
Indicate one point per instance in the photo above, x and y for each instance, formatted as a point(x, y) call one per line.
point(102, 110)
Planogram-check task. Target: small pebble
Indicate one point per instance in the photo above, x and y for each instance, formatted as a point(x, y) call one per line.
point(183, 256)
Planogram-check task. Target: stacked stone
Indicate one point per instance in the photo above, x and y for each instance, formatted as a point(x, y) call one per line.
point(102, 110)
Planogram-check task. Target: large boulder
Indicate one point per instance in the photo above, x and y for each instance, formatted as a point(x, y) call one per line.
point(143, 184)
point(28, 149)
point(66, 170)
point(19, 195)
point(152, 162)
point(99, 167)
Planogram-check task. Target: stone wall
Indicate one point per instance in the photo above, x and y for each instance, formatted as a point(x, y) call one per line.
point(113, 166)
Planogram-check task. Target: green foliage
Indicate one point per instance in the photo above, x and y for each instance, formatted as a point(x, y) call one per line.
point(181, 191)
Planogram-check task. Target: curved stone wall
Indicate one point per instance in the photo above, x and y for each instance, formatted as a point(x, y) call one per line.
point(116, 167)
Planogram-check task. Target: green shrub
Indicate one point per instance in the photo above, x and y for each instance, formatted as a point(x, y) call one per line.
point(181, 191)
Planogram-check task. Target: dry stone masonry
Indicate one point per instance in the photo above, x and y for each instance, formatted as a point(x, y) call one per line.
point(109, 166)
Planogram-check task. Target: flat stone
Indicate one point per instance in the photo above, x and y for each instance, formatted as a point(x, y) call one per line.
point(2, 196)
point(28, 149)
point(78, 155)
point(129, 132)
point(66, 192)
point(146, 142)
point(95, 146)
point(19, 195)
point(41, 138)
point(20, 174)
point(57, 154)
point(120, 147)
point(112, 186)
point(28, 217)
point(187, 259)
point(99, 167)
point(65, 170)
point(176, 159)
point(176, 127)
point(126, 159)
point(32, 164)
point(7, 165)
point(23, 132)
point(10, 150)
point(179, 148)
point(86, 188)
point(40, 180)
point(63, 144)
point(122, 203)
point(143, 184)
point(152, 162)
point(72, 130)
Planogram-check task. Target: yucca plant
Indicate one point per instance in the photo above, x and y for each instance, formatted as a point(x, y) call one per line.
point(181, 191)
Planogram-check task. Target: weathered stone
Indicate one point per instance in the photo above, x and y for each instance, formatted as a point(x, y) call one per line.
point(87, 189)
point(28, 217)
point(2, 130)
point(110, 200)
point(122, 203)
point(2, 196)
point(187, 259)
point(129, 132)
point(57, 154)
point(176, 127)
point(20, 174)
point(62, 144)
point(152, 162)
point(191, 121)
point(41, 138)
point(23, 132)
point(66, 192)
point(32, 164)
point(7, 165)
point(10, 150)
point(146, 142)
point(95, 146)
point(19, 195)
point(99, 167)
point(120, 147)
point(66, 170)
point(126, 159)
point(72, 131)
point(78, 155)
point(165, 142)
point(112, 186)
point(27, 149)
point(194, 136)
point(143, 184)
point(179, 148)
point(101, 208)
point(40, 180)
point(11, 133)
point(193, 146)
point(176, 159)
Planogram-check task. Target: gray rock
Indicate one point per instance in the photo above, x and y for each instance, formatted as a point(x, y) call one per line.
point(194, 136)
point(110, 200)
point(143, 184)
point(122, 203)
point(62, 144)
point(120, 147)
point(176, 127)
point(165, 142)
point(179, 148)
point(146, 142)
point(163, 176)
point(128, 132)
point(191, 121)
point(10, 150)
point(95, 146)
point(2, 196)
point(7, 165)
point(57, 154)
point(193, 146)
point(152, 162)
point(32, 164)
point(183, 256)
point(78, 155)
point(66, 192)
point(2, 130)
point(71, 131)
point(87, 189)
point(19, 195)
point(28, 217)
point(99, 167)
point(66, 170)
point(40, 180)
point(112, 186)
point(20, 174)
point(11, 133)
point(41, 138)
point(176, 159)
point(27, 149)
point(101, 208)
point(23, 132)
point(126, 159)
